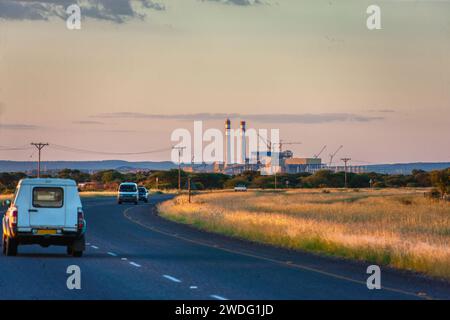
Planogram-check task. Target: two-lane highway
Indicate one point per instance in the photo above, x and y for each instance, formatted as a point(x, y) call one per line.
point(134, 254)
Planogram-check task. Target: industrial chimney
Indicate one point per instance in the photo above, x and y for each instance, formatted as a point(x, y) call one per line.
point(243, 144)
point(227, 142)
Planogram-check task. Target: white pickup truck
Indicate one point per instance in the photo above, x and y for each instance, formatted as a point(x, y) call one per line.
point(45, 212)
point(240, 188)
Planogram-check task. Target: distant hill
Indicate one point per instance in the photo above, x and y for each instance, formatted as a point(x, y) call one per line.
point(120, 165)
point(26, 166)
point(407, 168)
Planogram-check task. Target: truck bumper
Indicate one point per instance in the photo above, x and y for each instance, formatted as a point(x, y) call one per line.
point(64, 239)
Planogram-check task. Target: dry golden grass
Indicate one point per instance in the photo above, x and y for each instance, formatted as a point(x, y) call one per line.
point(84, 194)
point(92, 194)
point(399, 228)
point(88, 194)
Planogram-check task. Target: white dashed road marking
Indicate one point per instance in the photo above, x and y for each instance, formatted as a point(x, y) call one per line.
point(171, 278)
point(112, 254)
point(193, 287)
point(124, 259)
point(94, 247)
point(215, 296)
point(135, 264)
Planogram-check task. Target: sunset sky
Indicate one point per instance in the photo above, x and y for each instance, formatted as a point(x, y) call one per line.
point(137, 70)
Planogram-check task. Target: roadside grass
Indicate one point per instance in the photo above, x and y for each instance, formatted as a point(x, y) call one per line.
point(93, 194)
point(395, 227)
point(84, 194)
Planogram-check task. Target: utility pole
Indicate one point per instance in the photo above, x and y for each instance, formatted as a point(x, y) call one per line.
point(39, 146)
point(189, 189)
point(275, 180)
point(157, 183)
point(179, 165)
point(345, 170)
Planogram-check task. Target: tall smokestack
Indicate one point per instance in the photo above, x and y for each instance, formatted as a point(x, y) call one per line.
point(227, 142)
point(243, 144)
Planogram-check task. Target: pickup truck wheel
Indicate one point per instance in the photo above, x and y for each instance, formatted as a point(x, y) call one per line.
point(4, 244)
point(77, 247)
point(11, 247)
point(77, 253)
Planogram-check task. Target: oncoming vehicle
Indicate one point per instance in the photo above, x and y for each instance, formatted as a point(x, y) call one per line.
point(128, 192)
point(45, 212)
point(143, 194)
point(240, 187)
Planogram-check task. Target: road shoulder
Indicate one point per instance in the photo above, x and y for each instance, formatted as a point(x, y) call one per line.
point(412, 284)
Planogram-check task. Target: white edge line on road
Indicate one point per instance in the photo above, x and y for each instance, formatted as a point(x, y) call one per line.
point(112, 254)
point(171, 278)
point(94, 247)
point(135, 264)
point(215, 296)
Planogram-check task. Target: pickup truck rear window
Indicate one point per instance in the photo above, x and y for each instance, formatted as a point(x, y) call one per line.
point(127, 188)
point(46, 197)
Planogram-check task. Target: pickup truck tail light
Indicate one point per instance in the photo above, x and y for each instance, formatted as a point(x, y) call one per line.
point(14, 218)
point(80, 221)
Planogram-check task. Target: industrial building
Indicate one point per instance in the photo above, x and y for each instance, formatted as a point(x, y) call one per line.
point(238, 160)
point(297, 165)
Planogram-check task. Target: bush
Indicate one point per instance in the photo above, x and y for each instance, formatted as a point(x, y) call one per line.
point(379, 184)
point(441, 181)
point(230, 184)
point(433, 194)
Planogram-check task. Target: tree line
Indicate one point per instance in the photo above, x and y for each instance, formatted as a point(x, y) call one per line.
point(110, 179)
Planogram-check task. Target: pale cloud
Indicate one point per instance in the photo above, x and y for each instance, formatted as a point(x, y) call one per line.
point(18, 126)
point(117, 11)
point(238, 2)
point(382, 110)
point(87, 122)
point(306, 118)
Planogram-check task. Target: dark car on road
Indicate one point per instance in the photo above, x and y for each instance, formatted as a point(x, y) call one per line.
point(143, 194)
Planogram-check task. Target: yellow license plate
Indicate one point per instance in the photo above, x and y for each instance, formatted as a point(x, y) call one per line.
point(46, 231)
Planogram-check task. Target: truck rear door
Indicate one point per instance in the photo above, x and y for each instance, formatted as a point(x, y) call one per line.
point(47, 207)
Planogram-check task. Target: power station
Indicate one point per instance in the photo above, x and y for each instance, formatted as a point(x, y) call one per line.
point(238, 158)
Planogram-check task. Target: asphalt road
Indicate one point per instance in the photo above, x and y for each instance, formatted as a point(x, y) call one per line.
point(134, 254)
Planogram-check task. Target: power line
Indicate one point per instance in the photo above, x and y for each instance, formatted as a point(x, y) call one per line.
point(80, 150)
point(363, 161)
point(10, 148)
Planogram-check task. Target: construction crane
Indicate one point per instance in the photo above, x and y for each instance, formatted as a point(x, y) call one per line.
point(282, 143)
point(271, 145)
point(334, 154)
point(320, 152)
point(266, 141)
